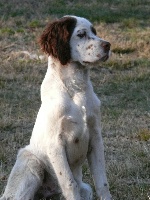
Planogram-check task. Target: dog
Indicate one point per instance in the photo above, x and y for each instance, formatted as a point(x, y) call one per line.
point(67, 128)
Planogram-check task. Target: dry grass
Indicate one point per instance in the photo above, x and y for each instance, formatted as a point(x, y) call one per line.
point(123, 85)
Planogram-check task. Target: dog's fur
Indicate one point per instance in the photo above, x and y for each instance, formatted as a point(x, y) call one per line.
point(67, 129)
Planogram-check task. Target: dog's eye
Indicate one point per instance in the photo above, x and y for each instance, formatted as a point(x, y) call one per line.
point(81, 35)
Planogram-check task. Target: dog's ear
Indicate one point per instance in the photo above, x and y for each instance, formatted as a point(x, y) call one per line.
point(55, 40)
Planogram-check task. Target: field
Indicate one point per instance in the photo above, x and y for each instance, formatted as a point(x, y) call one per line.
point(122, 84)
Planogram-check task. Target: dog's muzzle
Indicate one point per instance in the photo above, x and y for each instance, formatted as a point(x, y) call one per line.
point(106, 46)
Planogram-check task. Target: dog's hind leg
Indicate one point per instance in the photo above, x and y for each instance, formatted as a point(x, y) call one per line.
point(25, 178)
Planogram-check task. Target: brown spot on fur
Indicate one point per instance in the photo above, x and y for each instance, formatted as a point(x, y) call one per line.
point(98, 55)
point(76, 140)
point(60, 173)
point(89, 47)
point(60, 136)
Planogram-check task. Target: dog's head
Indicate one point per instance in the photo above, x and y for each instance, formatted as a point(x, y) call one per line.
point(74, 38)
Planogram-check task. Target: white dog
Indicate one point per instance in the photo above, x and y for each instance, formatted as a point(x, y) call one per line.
point(67, 129)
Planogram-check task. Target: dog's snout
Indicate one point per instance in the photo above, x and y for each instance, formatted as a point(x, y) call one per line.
point(106, 46)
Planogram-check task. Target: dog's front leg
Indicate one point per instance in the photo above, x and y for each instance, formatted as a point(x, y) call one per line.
point(63, 173)
point(97, 164)
point(59, 162)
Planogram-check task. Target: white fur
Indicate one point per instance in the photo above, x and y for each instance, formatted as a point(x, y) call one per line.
point(67, 129)
point(87, 50)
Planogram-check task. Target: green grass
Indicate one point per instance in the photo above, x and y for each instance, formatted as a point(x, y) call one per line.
point(122, 84)
point(107, 11)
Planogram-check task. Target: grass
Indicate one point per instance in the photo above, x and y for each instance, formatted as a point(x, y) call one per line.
point(122, 84)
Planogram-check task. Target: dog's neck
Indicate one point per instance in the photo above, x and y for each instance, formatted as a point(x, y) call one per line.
point(74, 76)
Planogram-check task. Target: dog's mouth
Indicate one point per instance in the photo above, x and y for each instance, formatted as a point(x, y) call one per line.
point(104, 58)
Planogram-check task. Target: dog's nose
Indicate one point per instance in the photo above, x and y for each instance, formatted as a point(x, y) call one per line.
point(106, 46)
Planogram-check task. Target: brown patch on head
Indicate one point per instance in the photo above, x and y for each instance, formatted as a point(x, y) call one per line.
point(60, 173)
point(56, 37)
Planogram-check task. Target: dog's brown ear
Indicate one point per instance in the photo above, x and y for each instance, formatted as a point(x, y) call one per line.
point(55, 40)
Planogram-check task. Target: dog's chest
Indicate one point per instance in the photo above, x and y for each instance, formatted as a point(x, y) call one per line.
point(77, 139)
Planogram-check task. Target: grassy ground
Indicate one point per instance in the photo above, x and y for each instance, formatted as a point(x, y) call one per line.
point(123, 84)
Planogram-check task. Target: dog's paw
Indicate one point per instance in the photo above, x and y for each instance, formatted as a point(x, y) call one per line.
point(104, 194)
point(109, 197)
point(86, 192)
